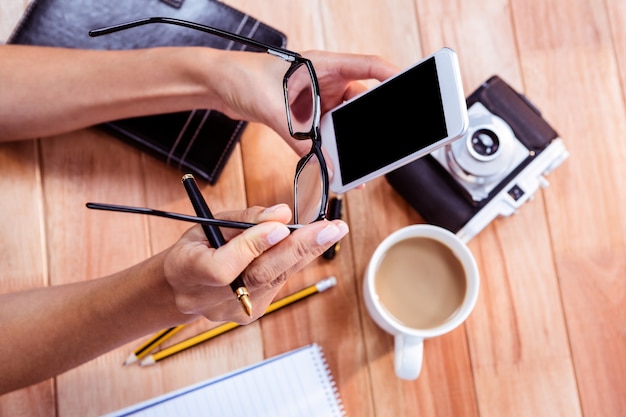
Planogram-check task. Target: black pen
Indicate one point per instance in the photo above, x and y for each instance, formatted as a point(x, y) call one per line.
point(334, 212)
point(216, 239)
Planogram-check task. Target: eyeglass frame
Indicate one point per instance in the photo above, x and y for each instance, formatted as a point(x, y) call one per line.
point(295, 60)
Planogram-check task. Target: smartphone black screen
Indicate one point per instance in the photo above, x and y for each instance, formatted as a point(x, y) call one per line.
point(390, 122)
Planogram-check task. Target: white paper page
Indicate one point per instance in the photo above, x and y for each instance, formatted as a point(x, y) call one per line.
point(294, 384)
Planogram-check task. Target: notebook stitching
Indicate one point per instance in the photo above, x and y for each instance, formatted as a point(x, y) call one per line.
point(196, 133)
point(224, 154)
point(170, 155)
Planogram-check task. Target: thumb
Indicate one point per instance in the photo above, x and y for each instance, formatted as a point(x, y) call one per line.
point(240, 251)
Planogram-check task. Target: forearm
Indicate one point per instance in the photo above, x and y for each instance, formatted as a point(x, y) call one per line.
point(50, 330)
point(46, 91)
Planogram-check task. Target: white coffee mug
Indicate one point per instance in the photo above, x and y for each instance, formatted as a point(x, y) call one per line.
point(421, 282)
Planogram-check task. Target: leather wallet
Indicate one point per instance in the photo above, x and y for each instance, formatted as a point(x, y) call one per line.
point(198, 141)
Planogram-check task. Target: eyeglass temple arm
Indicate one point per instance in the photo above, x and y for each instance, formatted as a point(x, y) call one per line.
point(280, 52)
point(177, 216)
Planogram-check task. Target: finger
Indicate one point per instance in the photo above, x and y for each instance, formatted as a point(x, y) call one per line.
point(354, 66)
point(300, 147)
point(240, 251)
point(279, 213)
point(363, 67)
point(353, 89)
point(292, 254)
point(257, 214)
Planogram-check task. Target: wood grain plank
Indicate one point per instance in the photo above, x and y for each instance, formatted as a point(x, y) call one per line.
point(373, 214)
point(617, 17)
point(23, 260)
point(574, 76)
point(330, 318)
point(546, 337)
point(366, 27)
point(78, 167)
point(23, 263)
point(480, 32)
point(508, 332)
point(350, 27)
point(377, 211)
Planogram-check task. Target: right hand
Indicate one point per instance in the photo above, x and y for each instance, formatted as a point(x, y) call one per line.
point(266, 253)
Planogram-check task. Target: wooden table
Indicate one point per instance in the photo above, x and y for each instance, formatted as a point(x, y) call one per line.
point(548, 335)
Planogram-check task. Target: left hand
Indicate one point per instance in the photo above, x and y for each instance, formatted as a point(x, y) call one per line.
point(256, 94)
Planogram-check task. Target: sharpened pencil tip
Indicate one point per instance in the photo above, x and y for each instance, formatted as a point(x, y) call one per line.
point(149, 360)
point(130, 359)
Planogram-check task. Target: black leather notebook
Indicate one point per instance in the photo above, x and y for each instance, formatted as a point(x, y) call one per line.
point(198, 141)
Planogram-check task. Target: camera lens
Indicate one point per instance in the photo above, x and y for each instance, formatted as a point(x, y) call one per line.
point(485, 142)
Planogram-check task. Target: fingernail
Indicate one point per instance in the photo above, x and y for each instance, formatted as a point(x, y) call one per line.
point(274, 208)
point(343, 228)
point(331, 233)
point(278, 234)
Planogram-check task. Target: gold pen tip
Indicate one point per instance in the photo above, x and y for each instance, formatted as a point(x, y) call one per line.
point(244, 298)
point(247, 305)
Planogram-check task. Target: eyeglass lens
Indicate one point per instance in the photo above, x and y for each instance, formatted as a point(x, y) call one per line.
point(308, 185)
point(309, 190)
point(301, 100)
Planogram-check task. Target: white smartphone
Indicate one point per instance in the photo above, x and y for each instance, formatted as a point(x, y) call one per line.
point(398, 121)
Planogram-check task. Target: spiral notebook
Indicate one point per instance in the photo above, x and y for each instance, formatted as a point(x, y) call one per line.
point(295, 384)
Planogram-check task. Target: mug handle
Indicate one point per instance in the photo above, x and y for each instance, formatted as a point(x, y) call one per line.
point(408, 356)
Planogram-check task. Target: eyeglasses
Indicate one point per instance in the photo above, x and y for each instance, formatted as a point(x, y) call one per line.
point(303, 104)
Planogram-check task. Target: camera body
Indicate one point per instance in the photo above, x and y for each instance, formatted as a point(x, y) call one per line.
point(495, 168)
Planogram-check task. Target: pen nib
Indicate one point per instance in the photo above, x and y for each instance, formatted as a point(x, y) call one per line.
point(244, 298)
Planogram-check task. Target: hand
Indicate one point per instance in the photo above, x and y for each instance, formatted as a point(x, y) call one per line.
point(267, 254)
point(256, 91)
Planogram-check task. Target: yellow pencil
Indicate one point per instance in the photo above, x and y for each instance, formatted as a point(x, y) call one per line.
point(150, 344)
point(322, 285)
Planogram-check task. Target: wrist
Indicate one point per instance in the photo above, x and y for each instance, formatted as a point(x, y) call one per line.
point(165, 80)
point(209, 75)
point(144, 290)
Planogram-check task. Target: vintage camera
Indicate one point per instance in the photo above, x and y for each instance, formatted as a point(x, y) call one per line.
point(491, 171)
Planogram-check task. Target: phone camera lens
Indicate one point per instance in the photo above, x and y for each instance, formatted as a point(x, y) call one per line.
point(485, 143)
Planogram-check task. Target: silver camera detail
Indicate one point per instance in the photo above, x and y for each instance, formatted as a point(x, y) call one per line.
point(496, 167)
point(486, 154)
